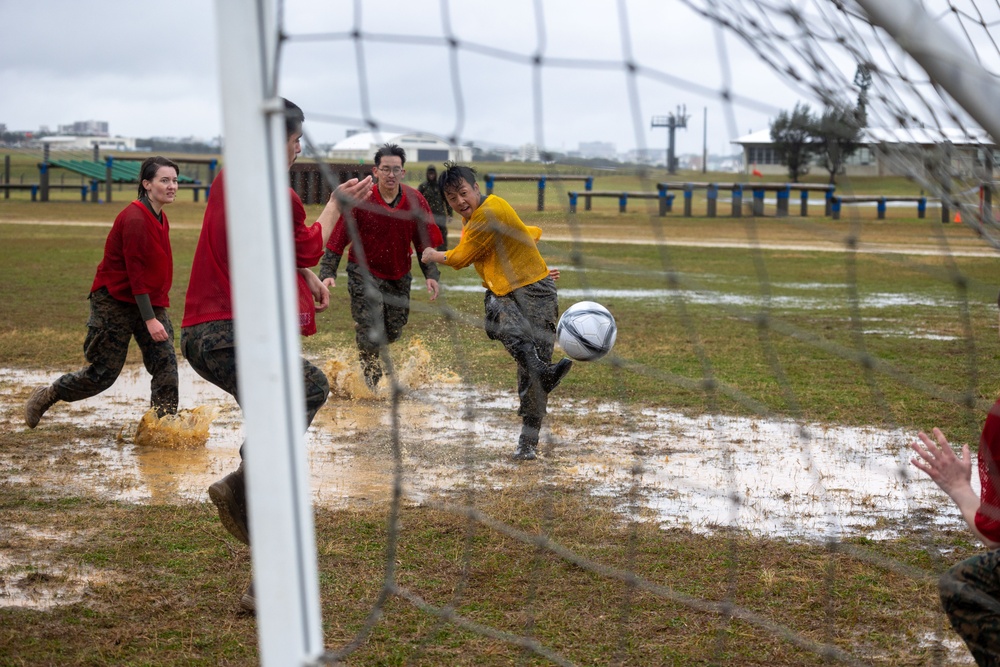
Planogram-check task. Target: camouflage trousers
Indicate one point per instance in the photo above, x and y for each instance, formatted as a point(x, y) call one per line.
point(970, 595)
point(380, 309)
point(442, 222)
point(526, 317)
point(110, 329)
point(210, 349)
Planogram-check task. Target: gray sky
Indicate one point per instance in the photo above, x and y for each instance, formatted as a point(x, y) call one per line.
point(150, 69)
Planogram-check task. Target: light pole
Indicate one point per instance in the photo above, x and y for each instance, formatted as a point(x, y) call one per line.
point(672, 122)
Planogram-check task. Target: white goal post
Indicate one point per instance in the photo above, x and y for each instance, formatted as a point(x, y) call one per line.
point(945, 59)
point(258, 216)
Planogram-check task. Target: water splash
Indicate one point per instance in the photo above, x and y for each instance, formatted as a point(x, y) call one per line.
point(188, 429)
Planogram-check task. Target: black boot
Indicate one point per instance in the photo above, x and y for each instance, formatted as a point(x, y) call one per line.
point(555, 374)
point(230, 498)
point(526, 449)
point(549, 375)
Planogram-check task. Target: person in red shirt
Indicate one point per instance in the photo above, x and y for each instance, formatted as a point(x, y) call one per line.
point(380, 232)
point(970, 590)
point(128, 299)
point(207, 335)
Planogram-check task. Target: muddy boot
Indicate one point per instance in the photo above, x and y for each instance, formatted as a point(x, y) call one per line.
point(549, 375)
point(248, 602)
point(371, 368)
point(40, 400)
point(555, 373)
point(229, 496)
point(526, 449)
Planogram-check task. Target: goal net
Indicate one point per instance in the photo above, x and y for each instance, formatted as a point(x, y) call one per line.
point(775, 358)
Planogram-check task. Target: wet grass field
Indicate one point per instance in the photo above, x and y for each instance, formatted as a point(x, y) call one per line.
point(732, 335)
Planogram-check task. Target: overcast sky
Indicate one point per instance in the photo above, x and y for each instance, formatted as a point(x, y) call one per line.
point(150, 69)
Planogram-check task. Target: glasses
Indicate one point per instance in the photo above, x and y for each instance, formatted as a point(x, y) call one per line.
point(395, 171)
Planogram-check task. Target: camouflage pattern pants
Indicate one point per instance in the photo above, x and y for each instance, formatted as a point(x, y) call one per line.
point(380, 309)
point(110, 329)
point(210, 349)
point(442, 222)
point(526, 317)
point(970, 595)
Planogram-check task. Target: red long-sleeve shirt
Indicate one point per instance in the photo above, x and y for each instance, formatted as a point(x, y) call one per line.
point(209, 293)
point(137, 257)
point(386, 233)
point(988, 515)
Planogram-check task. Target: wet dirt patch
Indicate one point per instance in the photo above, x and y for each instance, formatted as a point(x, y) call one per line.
point(774, 478)
point(32, 576)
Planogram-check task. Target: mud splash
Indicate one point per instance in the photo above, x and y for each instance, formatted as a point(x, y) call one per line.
point(187, 429)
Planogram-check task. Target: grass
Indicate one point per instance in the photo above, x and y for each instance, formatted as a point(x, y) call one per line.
point(168, 578)
point(777, 329)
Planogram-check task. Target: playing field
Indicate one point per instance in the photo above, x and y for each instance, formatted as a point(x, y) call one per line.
point(732, 332)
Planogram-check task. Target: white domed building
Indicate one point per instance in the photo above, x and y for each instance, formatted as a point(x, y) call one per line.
point(419, 147)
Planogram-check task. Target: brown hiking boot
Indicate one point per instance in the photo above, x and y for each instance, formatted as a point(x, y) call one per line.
point(249, 601)
point(229, 496)
point(40, 400)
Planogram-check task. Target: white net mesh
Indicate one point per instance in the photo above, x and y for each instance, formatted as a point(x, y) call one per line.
point(539, 72)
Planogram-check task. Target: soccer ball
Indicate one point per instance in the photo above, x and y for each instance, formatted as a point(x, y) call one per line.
point(586, 331)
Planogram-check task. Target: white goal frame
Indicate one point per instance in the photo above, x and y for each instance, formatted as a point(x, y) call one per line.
point(265, 304)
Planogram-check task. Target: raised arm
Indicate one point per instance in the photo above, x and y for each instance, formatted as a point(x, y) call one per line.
point(346, 194)
point(952, 474)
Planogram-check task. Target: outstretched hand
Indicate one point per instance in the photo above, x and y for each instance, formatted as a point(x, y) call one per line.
point(938, 460)
point(351, 191)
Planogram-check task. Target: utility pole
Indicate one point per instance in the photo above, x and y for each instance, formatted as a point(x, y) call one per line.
point(704, 142)
point(672, 122)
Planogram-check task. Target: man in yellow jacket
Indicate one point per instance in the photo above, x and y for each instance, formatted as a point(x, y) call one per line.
point(520, 301)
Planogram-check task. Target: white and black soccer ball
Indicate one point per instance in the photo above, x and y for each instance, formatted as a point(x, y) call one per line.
point(586, 331)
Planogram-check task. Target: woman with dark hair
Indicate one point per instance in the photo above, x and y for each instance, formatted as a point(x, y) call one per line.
point(128, 298)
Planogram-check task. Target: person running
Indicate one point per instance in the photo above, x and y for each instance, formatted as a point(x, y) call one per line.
point(520, 301)
point(439, 207)
point(128, 299)
point(207, 335)
point(380, 233)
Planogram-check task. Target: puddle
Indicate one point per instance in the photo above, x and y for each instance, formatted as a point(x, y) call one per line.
point(725, 298)
point(36, 582)
point(954, 650)
point(767, 477)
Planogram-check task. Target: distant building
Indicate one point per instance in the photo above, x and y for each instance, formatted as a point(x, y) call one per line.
point(650, 156)
point(72, 143)
point(601, 149)
point(880, 151)
point(85, 128)
point(528, 153)
point(419, 147)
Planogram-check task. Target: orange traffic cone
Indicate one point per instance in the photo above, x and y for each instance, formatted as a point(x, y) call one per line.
point(958, 218)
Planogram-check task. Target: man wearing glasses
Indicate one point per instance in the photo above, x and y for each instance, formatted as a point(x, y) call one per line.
point(380, 231)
